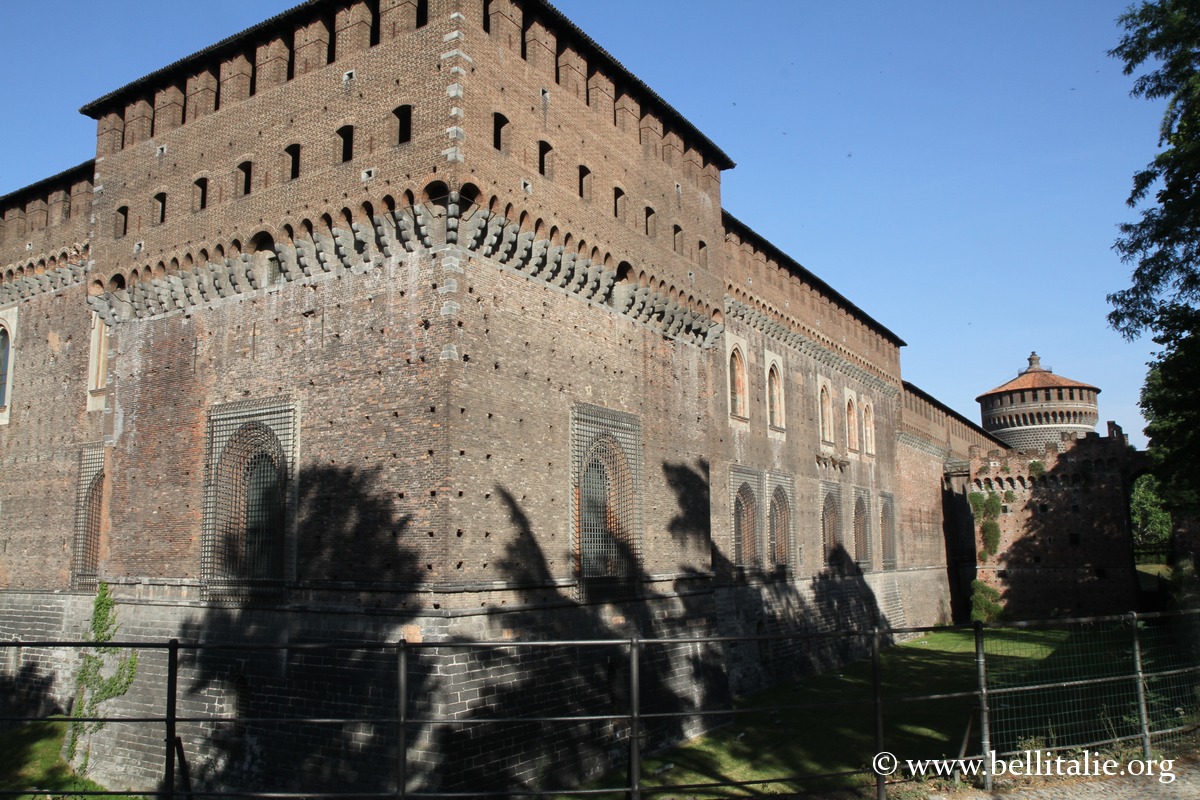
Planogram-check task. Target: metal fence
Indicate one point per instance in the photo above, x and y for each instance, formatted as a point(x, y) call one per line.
point(469, 711)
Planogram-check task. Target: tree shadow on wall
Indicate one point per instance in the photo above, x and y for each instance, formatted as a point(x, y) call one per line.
point(355, 580)
point(1066, 549)
point(770, 606)
point(569, 681)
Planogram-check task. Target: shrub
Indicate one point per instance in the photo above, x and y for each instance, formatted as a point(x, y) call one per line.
point(991, 536)
point(991, 509)
point(1009, 496)
point(985, 603)
point(1036, 469)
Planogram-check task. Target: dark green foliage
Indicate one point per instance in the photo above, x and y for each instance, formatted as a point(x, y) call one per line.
point(1010, 496)
point(992, 508)
point(1163, 245)
point(1036, 469)
point(991, 536)
point(977, 500)
point(1171, 405)
point(1151, 522)
point(985, 603)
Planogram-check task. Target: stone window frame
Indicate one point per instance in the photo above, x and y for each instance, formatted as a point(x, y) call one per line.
point(779, 485)
point(736, 344)
point(226, 423)
point(825, 417)
point(740, 478)
point(8, 323)
point(90, 512)
point(598, 431)
point(852, 432)
point(776, 401)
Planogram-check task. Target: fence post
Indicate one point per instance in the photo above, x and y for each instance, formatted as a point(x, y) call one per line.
point(635, 720)
point(401, 718)
point(169, 719)
point(985, 732)
point(1143, 717)
point(877, 680)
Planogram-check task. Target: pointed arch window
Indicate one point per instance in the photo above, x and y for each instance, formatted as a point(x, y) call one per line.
point(738, 406)
point(88, 517)
point(745, 526)
point(851, 426)
point(826, 415)
point(887, 532)
point(830, 532)
point(5, 355)
point(869, 428)
point(862, 542)
point(606, 449)
point(774, 397)
point(249, 476)
point(779, 526)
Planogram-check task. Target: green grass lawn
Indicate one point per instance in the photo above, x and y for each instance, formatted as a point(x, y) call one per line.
point(30, 758)
point(781, 741)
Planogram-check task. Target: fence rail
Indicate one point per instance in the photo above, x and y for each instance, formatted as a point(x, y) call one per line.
point(1102, 681)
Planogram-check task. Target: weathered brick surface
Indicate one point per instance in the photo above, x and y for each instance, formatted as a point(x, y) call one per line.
point(435, 304)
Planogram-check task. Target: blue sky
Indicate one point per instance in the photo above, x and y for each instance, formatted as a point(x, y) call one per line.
point(957, 169)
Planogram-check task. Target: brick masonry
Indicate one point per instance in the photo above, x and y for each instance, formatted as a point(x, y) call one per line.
point(490, 226)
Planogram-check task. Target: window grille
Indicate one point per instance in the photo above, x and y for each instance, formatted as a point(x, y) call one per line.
point(745, 526)
point(862, 538)
point(887, 530)
point(780, 526)
point(606, 497)
point(249, 481)
point(831, 530)
point(88, 508)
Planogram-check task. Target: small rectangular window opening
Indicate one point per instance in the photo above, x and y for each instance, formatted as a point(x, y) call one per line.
point(293, 154)
point(422, 13)
point(618, 203)
point(585, 182)
point(160, 208)
point(500, 132)
point(346, 134)
point(121, 223)
point(245, 174)
point(200, 194)
point(403, 124)
point(545, 154)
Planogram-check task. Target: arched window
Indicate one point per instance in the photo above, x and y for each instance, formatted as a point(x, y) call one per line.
point(745, 526)
point(887, 533)
point(869, 428)
point(826, 414)
point(87, 534)
point(607, 546)
point(737, 385)
point(851, 426)
point(5, 352)
point(862, 542)
point(780, 526)
point(830, 533)
point(774, 397)
point(251, 499)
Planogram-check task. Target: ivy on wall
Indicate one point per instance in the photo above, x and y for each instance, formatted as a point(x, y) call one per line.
point(96, 682)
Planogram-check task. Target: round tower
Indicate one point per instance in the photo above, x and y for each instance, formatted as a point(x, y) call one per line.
point(1038, 407)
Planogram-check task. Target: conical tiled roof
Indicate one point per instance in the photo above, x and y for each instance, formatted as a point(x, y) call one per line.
point(1035, 376)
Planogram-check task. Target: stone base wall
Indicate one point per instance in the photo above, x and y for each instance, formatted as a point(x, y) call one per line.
point(269, 671)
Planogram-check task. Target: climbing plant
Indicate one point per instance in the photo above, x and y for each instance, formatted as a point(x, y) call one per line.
point(92, 685)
